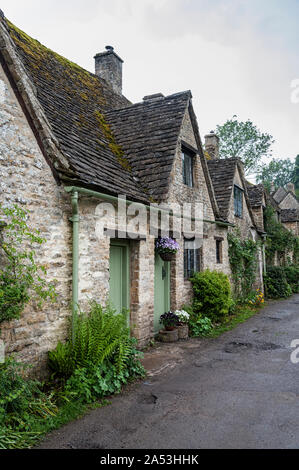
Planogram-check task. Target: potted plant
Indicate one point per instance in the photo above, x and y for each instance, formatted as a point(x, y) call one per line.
point(170, 333)
point(167, 248)
point(183, 327)
point(169, 320)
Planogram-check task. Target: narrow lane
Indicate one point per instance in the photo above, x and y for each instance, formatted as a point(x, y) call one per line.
point(240, 390)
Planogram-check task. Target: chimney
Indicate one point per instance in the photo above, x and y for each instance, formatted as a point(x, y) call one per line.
point(290, 187)
point(212, 145)
point(108, 65)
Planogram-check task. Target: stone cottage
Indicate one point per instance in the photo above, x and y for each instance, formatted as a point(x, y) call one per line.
point(74, 151)
point(289, 207)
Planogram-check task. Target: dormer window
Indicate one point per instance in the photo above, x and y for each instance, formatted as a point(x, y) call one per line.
point(238, 201)
point(188, 163)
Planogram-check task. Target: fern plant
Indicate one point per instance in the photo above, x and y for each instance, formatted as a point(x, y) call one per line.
point(99, 335)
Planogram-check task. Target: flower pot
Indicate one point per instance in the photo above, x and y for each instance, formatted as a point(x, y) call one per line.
point(167, 256)
point(183, 331)
point(169, 336)
point(170, 328)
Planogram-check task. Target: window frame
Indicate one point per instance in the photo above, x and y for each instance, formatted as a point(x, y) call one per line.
point(238, 201)
point(190, 156)
point(191, 255)
point(219, 250)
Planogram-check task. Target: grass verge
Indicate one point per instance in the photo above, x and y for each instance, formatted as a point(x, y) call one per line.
point(240, 315)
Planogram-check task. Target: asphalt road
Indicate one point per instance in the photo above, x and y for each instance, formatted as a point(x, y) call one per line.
point(240, 390)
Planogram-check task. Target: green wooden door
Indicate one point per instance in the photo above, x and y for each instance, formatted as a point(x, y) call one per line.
point(162, 290)
point(119, 275)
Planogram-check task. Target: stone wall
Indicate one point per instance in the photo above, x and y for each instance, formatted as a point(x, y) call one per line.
point(181, 289)
point(27, 180)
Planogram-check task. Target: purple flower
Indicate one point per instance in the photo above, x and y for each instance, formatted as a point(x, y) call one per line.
point(167, 245)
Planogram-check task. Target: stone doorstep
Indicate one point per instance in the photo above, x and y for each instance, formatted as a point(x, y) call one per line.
point(165, 356)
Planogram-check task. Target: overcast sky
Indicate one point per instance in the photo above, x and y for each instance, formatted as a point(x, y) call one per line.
point(236, 56)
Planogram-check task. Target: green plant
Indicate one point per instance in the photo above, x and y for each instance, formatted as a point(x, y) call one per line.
point(23, 406)
point(94, 382)
point(280, 241)
point(212, 294)
point(99, 335)
point(292, 277)
point(201, 326)
point(21, 277)
point(169, 320)
point(276, 283)
point(243, 262)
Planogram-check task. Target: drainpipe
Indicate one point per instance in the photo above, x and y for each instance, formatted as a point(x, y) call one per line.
point(75, 278)
point(264, 238)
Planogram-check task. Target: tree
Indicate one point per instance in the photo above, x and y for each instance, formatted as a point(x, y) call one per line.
point(296, 176)
point(279, 172)
point(245, 141)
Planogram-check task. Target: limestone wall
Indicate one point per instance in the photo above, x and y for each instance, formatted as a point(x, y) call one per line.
point(26, 179)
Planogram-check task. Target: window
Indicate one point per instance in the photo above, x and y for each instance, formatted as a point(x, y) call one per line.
point(192, 259)
point(187, 161)
point(219, 251)
point(238, 201)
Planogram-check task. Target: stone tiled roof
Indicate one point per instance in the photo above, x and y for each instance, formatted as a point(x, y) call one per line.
point(74, 102)
point(222, 173)
point(108, 144)
point(148, 134)
point(255, 194)
point(279, 194)
point(289, 215)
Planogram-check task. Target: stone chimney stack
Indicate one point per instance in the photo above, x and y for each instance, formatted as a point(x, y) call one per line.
point(290, 187)
point(108, 65)
point(212, 145)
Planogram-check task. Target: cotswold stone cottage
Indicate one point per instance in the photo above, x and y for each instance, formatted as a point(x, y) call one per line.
point(70, 141)
point(289, 207)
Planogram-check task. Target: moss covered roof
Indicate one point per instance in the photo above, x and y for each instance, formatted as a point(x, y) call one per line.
point(75, 102)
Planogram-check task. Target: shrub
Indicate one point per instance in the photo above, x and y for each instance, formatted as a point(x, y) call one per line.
point(24, 407)
point(292, 277)
point(99, 336)
point(212, 294)
point(200, 326)
point(276, 283)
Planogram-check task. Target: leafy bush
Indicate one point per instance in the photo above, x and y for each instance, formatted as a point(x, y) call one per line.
point(292, 277)
point(99, 336)
point(23, 406)
point(97, 381)
point(276, 283)
point(201, 326)
point(212, 294)
point(243, 263)
point(20, 276)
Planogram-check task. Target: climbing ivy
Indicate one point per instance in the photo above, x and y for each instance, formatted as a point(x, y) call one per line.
point(243, 263)
point(21, 278)
point(280, 241)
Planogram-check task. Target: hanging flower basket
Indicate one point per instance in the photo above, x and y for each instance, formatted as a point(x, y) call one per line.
point(167, 248)
point(167, 256)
